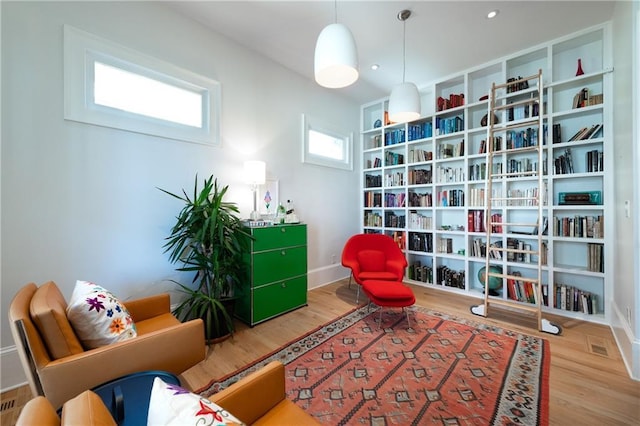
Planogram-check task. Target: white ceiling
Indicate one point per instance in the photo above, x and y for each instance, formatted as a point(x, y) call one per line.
point(443, 37)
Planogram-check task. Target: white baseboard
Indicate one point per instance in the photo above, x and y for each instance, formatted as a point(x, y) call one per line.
point(326, 275)
point(628, 344)
point(12, 373)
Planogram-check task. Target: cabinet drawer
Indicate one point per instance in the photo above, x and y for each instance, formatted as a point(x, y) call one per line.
point(279, 297)
point(276, 265)
point(272, 237)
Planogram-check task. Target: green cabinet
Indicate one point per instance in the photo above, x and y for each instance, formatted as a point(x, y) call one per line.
point(276, 275)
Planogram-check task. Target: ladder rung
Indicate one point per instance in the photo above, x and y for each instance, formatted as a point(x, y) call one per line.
point(516, 150)
point(510, 250)
point(518, 103)
point(510, 83)
point(516, 174)
point(513, 277)
point(512, 198)
point(502, 127)
point(513, 224)
point(521, 305)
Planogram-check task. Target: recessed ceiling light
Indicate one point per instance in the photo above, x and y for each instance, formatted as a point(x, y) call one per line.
point(493, 14)
point(375, 67)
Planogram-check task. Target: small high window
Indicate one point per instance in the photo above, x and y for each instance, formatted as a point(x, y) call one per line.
point(110, 85)
point(325, 146)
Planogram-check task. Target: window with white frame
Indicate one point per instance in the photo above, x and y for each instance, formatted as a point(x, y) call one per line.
point(113, 86)
point(325, 146)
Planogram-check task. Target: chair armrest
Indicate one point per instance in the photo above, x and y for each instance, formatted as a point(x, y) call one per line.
point(86, 409)
point(148, 307)
point(38, 411)
point(353, 265)
point(397, 266)
point(254, 395)
point(173, 349)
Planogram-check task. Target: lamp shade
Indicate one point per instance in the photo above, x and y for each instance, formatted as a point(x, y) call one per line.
point(255, 172)
point(404, 103)
point(336, 57)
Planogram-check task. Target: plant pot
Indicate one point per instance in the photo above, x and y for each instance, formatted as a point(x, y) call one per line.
point(225, 331)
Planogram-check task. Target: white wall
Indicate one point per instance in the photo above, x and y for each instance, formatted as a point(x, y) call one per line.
point(80, 201)
point(625, 320)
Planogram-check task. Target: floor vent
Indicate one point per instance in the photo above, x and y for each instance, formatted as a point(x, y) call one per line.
point(598, 346)
point(7, 404)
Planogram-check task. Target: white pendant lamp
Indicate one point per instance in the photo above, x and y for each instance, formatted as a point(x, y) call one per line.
point(336, 56)
point(404, 102)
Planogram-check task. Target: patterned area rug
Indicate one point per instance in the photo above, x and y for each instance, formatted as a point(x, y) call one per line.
point(372, 368)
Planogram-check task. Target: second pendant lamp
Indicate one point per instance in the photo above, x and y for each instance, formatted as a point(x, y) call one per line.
point(404, 102)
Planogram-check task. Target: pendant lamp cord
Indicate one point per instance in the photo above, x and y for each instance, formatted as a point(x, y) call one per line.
point(404, 48)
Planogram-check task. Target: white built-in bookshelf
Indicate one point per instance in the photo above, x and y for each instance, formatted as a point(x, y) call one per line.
point(423, 181)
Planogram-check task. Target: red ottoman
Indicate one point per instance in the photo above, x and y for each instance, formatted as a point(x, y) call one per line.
point(389, 294)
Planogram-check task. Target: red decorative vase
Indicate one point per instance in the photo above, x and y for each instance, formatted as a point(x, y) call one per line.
point(580, 71)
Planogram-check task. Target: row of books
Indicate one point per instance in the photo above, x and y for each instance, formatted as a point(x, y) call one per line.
point(518, 83)
point(419, 272)
point(571, 298)
point(445, 245)
point(394, 137)
point(451, 198)
point(372, 181)
point(453, 101)
point(391, 220)
point(449, 150)
point(584, 98)
point(419, 155)
point(418, 221)
point(522, 167)
point(372, 199)
point(475, 221)
point(476, 197)
point(376, 162)
point(595, 257)
point(595, 161)
point(521, 290)
point(393, 158)
point(394, 179)
point(420, 200)
point(421, 242)
point(449, 174)
point(394, 200)
point(521, 112)
point(449, 277)
point(496, 145)
point(479, 171)
point(420, 130)
point(579, 226)
point(525, 197)
point(445, 126)
point(564, 163)
point(420, 176)
point(591, 132)
point(522, 138)
point(372, 219)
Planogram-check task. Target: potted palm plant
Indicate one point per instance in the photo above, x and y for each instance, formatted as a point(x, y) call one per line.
point(208, 239)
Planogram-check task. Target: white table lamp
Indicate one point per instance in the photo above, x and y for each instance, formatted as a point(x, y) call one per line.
point(254, 175)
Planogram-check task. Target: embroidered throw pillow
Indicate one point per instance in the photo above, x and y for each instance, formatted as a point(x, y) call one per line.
point(98, 317)
point(172, 405)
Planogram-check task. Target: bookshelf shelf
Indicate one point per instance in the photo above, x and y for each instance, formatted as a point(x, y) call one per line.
point(449, 143)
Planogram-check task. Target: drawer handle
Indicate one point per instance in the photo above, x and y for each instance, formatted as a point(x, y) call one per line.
point(283, 285)
point(283, 230)
point(283, 252)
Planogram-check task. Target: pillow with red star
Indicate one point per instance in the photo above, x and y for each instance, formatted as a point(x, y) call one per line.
point(98, 317)
point(171, 405)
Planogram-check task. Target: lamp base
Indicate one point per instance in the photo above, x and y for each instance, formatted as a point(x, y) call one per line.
point(255, 215)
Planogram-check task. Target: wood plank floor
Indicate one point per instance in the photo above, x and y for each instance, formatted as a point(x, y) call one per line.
point(589, 384)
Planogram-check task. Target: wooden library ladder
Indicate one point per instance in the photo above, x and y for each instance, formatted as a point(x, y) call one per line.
point(505, 98)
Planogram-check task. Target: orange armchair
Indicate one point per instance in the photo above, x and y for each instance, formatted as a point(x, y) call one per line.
point(58, 367)
point(373, 257)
